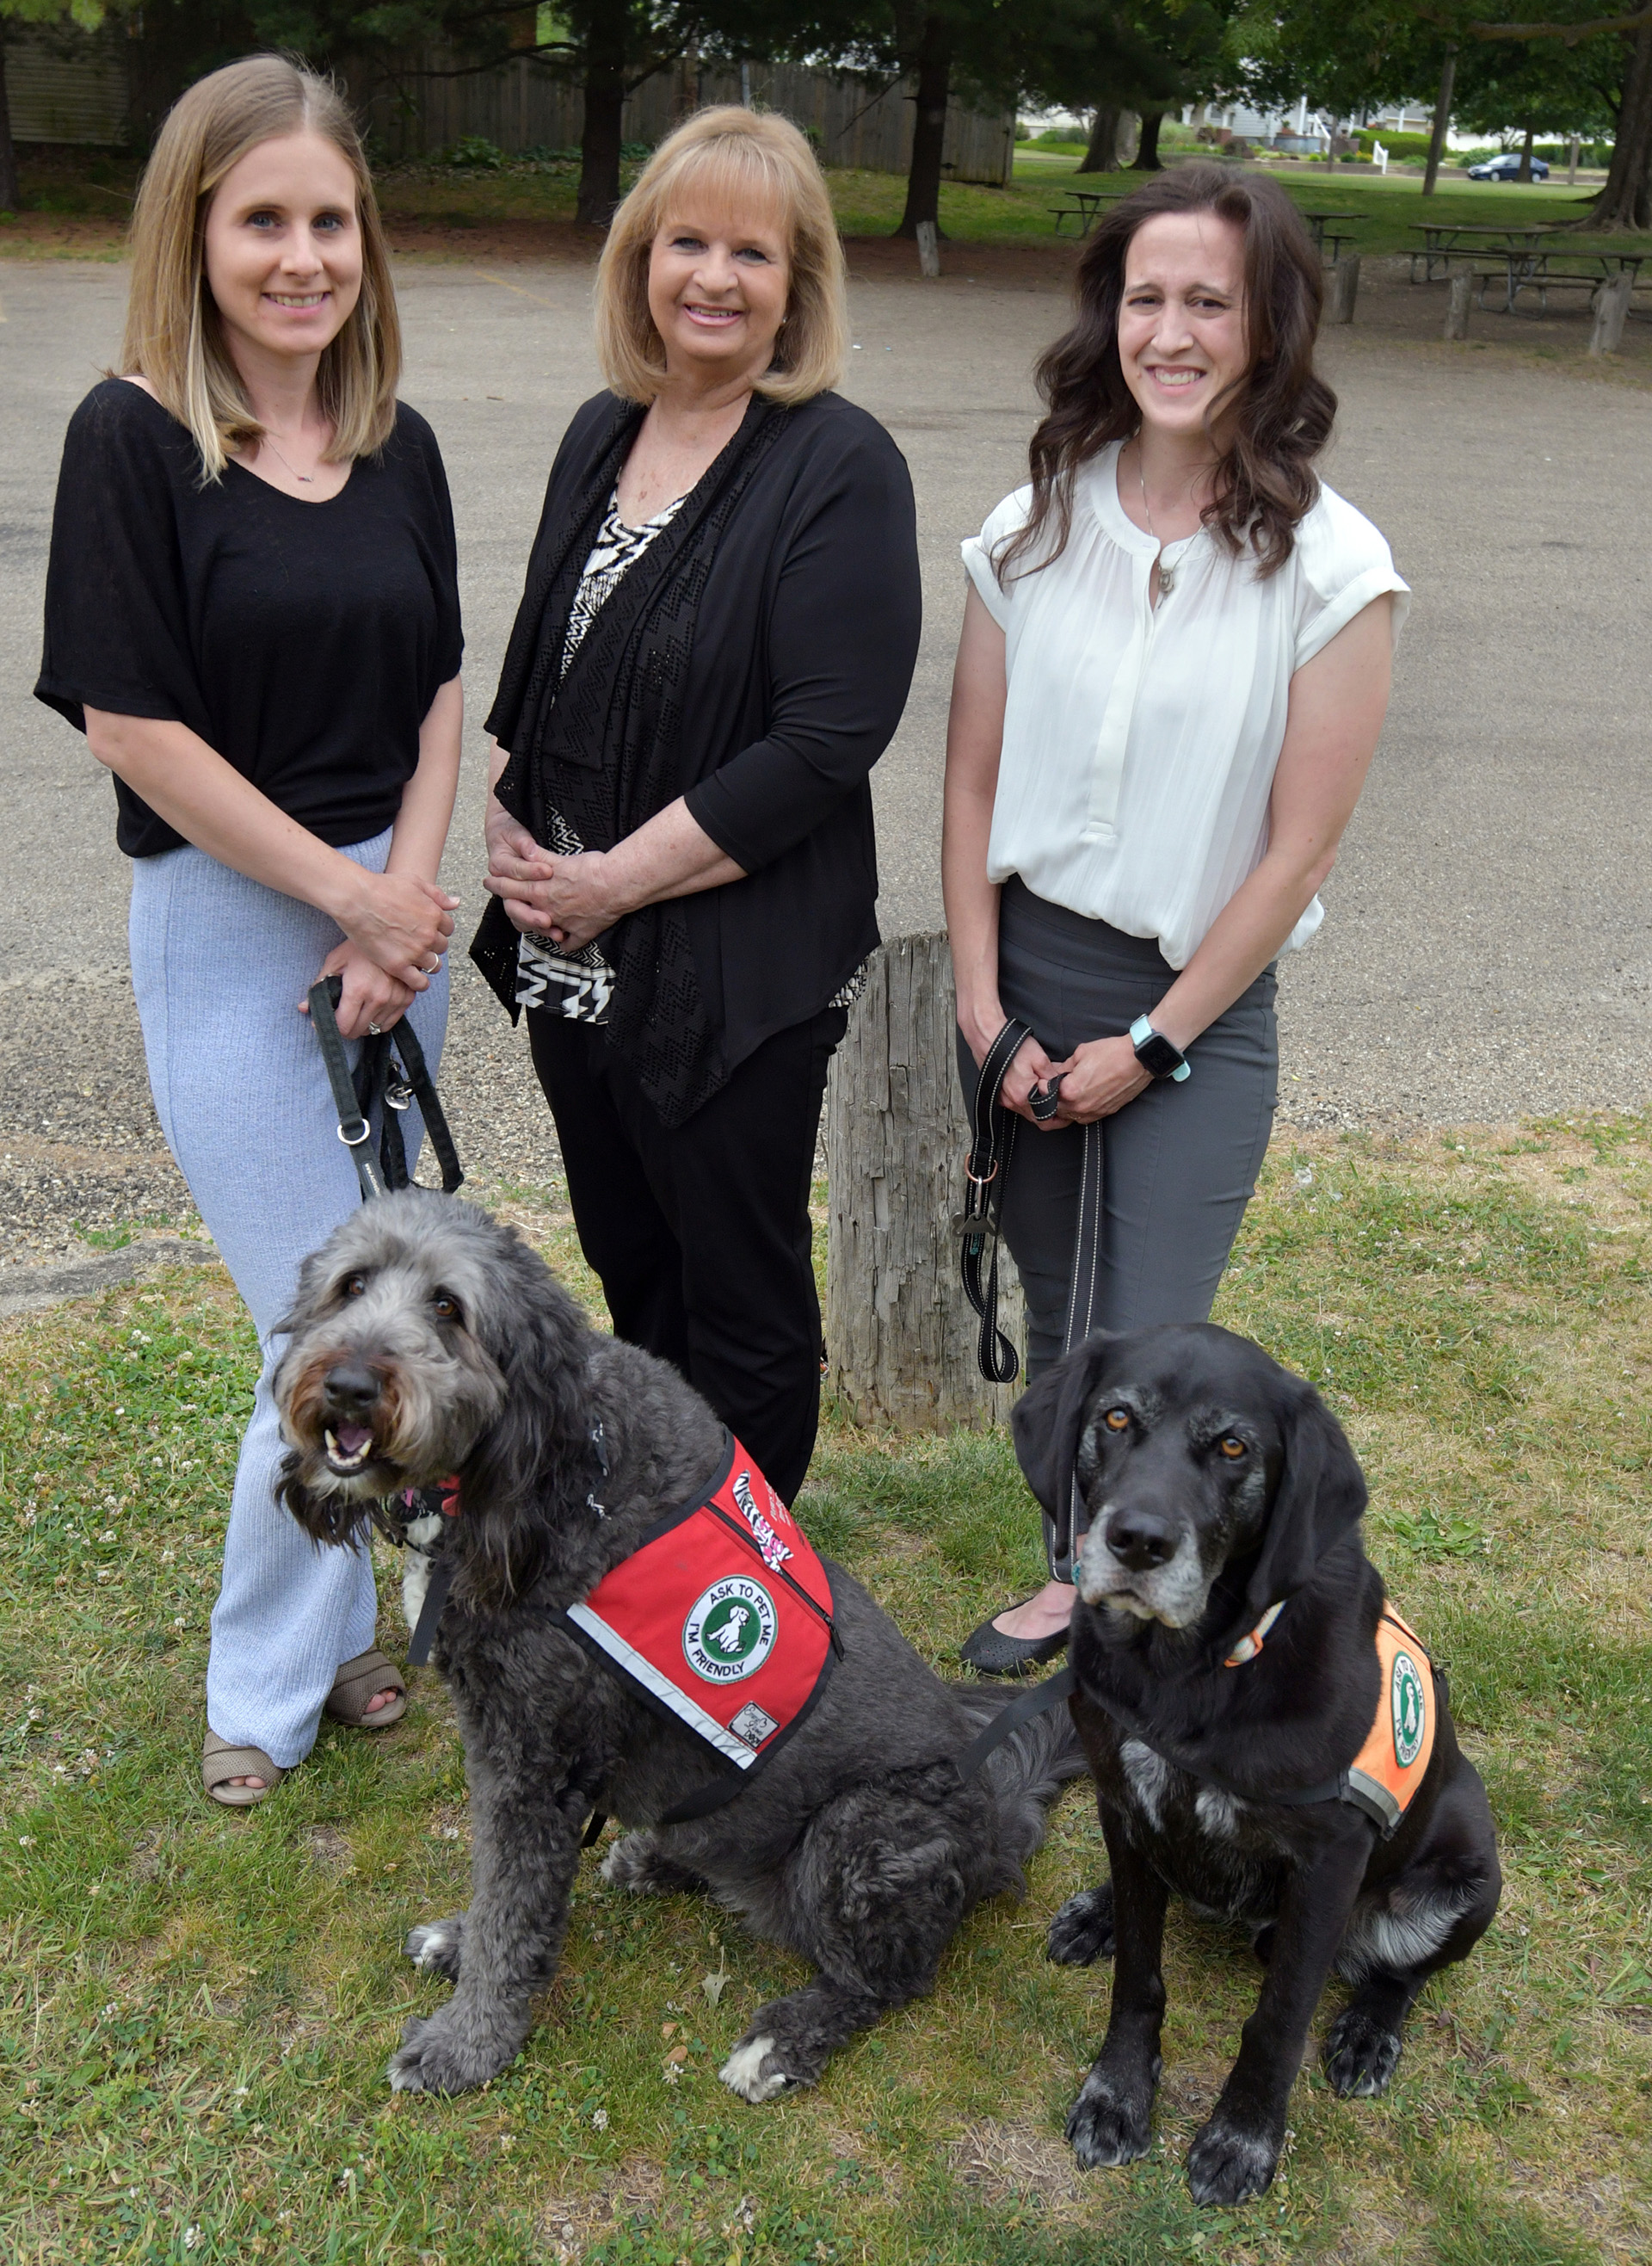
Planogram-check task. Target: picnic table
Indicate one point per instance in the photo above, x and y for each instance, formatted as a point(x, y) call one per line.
point(1520, 259)
point(1083, 205)
point(1443, 242)
point(1336, 238)
point(1530, 270)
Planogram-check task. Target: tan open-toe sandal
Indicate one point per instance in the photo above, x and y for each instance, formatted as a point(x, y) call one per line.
point(220, 1762)
point(355, 1685)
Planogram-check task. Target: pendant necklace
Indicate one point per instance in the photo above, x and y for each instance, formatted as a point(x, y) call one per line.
point(1166, 574)
point(308, 479)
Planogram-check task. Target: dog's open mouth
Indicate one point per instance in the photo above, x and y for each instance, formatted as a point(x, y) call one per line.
point(348, 1449)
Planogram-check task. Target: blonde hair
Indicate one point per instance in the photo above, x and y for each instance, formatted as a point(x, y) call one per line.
point(173, 334)
point(737, 157)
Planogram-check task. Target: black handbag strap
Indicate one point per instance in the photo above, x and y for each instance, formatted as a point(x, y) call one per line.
point(390, 1075)
point(991, 1146)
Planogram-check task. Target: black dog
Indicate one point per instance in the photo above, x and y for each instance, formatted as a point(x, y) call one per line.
point(1215, 1485)
point(427, 1341)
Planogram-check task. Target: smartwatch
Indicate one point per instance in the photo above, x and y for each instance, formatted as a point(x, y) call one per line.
point(1155, 1052)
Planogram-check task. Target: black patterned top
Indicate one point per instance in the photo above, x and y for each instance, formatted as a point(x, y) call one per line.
point(578, 985)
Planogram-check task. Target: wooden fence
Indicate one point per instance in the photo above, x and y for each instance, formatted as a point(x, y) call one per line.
point(425, 104)
point(68, 87)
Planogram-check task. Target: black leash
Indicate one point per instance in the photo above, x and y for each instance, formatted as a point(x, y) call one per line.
point(1005, 1725)
point(390, 1075)
point(987, 1167)
point(1038, 1701)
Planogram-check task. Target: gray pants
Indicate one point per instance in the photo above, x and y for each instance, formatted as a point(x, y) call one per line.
point(1179, 1163)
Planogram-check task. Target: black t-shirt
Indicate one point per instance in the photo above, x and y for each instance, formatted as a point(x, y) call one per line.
point(303, 642)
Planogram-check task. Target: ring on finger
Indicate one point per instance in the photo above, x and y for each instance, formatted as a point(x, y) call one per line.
point(373, 1031)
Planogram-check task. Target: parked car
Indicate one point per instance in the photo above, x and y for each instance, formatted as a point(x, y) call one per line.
point(1506, 167)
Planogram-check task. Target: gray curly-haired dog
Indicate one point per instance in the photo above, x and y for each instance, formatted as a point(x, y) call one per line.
point(428, 1339)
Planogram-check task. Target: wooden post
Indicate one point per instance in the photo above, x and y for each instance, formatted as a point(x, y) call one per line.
point(1456, 308)
point(899, 1334)
point(1612, 309)
point(928, 249)
point(1344, 288)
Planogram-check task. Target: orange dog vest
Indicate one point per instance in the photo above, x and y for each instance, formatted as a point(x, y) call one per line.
point(1384, 1776)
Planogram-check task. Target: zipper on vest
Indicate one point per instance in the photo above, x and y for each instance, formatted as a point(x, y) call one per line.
point(790, 1581)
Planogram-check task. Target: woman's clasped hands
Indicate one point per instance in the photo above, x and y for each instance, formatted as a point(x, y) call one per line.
point(396, 929)
point(1096, 1078)
point(568, 900)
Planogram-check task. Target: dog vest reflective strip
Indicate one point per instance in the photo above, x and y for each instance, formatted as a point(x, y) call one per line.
point(722, 1615)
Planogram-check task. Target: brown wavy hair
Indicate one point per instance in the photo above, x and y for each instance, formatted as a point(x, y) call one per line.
point(1281, 416)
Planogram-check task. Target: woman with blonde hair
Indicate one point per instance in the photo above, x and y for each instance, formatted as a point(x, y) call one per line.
point(715, 647)
point(252, 611)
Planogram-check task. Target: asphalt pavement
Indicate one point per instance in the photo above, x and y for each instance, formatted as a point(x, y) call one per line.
point(1487, 948)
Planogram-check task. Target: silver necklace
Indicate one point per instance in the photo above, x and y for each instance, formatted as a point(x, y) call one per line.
point(308, 479)
point(1166, 574)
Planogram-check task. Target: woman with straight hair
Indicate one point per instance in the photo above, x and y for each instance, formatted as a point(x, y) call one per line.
point(1173, 669)
point(252, 611)
point(713, 649)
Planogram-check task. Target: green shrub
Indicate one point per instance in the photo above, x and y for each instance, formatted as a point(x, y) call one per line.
point(475, 154)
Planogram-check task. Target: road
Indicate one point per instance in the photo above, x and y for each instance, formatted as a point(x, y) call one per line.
point(1487, 949)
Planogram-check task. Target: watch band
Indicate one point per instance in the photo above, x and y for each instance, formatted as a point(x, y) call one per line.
point(1156, 1054)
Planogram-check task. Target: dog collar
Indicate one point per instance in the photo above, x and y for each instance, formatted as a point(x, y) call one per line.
point(1248, 1646)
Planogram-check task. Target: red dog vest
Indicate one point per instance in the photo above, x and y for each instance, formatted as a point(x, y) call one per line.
point(722, 1615)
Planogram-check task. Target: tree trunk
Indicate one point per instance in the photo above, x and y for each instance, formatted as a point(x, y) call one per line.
point(1147, 159)
point(1627, 200)
point(900, 1336)
point(9, 194)
point(1442, 120)
point(1103, 155)
point(1524, 173)
point(604, 102)
point(929, 127)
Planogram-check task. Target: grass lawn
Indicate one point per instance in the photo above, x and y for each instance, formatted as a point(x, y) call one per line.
point(870, 204)
point(86, 189)
point(198, 2006)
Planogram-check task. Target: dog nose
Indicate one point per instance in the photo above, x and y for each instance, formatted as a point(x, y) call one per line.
point(1140, 1539)
point(352, 1388)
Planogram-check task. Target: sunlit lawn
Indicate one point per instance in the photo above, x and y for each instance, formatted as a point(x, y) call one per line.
point(198, 2007)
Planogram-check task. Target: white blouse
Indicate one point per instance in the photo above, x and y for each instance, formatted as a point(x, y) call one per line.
point(1140, 745)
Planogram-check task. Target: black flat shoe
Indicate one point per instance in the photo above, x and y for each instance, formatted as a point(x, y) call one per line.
point(989, 1652)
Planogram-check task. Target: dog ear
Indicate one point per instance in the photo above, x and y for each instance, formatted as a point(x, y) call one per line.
point(1046, 1421)
point(1319, 1498)
point(536, 1456)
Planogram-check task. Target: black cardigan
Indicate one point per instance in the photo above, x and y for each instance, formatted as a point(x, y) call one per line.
point(804, 649)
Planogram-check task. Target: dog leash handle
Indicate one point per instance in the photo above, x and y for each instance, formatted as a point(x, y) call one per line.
point(991, 1146)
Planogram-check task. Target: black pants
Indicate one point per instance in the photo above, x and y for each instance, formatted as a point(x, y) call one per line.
point(700, 1232)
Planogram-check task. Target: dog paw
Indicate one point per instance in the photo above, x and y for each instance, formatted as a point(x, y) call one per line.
point(434, 1945)
point(636, 1863)
point(434, 2059)
point(1109, 2125)
point(1082, 1930)
point(1227, 2165)
point(753, 2071)
point(1361, 2054)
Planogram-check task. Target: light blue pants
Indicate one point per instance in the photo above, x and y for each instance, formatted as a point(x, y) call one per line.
point(219, 966)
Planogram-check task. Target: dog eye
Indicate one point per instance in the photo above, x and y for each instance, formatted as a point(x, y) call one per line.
point(353, 1285)
point(1117, 1420)
point(1232, 1447)
point(446, 1307)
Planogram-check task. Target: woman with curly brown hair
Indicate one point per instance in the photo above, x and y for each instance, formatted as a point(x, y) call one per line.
point(1172, 674)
